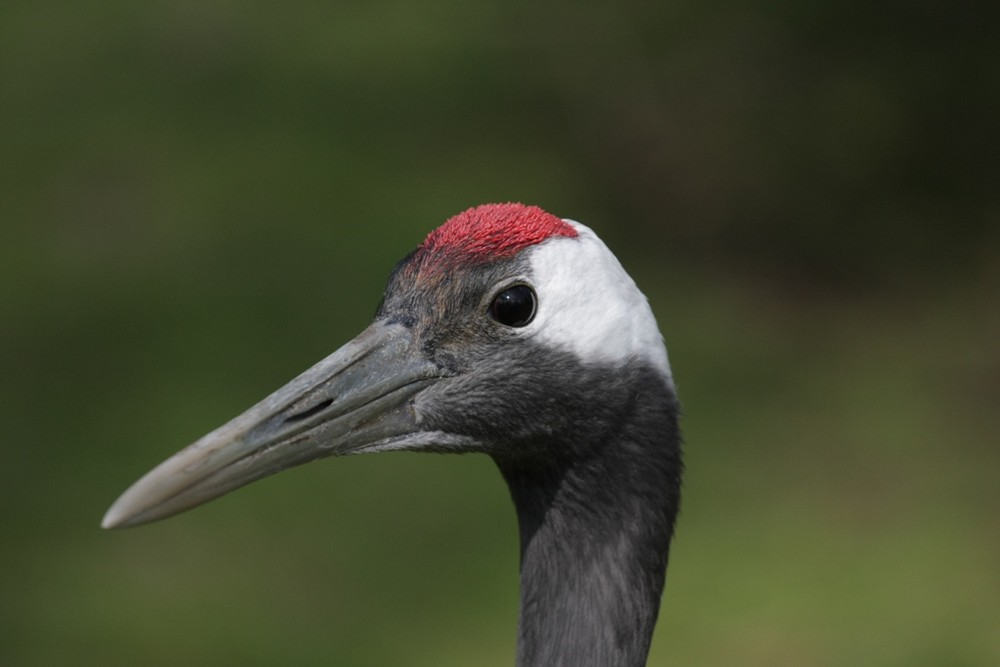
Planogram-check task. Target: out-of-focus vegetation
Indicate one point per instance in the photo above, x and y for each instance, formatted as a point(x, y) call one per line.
point(199, 199)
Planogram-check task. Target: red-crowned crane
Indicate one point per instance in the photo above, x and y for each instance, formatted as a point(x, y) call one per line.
point(511, 332)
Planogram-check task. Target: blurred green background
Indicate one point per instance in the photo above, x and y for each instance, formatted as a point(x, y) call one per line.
point(200, 199)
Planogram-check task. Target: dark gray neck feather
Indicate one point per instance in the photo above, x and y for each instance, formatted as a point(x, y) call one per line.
point(595, 531)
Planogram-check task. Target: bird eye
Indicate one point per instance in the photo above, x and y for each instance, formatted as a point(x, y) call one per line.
point(515, 306)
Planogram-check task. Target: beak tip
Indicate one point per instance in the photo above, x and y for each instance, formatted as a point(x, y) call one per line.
point(119, 516)
point(112, 519)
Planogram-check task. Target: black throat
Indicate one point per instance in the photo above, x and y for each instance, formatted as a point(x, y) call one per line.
point(595, 524)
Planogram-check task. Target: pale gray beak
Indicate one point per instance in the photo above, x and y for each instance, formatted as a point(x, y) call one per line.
point(359, 398)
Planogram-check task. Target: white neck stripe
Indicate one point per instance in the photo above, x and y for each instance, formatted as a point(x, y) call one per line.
point(588, 305)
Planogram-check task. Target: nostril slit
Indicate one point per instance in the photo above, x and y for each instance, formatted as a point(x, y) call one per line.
point(309, 412)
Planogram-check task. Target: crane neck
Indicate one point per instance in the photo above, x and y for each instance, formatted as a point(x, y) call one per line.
point(595, 527)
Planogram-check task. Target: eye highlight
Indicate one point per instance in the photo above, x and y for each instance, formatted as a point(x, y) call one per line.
point(515, 306)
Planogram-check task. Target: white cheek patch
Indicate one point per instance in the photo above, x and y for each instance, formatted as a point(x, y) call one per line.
point(588, 304)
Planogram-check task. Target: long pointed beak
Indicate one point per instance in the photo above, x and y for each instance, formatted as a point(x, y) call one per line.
point(358, 398)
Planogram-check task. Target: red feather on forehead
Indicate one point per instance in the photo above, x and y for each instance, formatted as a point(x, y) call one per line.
point(495, 231)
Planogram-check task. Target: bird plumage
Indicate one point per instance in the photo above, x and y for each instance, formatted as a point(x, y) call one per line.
point(511, 332)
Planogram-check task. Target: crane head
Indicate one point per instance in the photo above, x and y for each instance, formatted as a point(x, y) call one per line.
point(508, 331)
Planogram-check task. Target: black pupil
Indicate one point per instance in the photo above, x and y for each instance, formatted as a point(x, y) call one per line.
point(515, 306)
